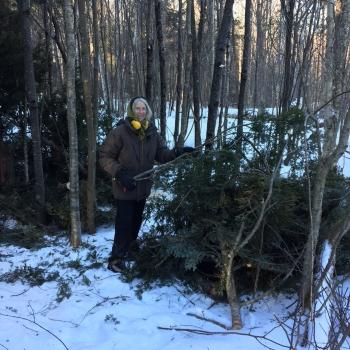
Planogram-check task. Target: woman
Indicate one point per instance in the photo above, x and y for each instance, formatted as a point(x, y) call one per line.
point(130, 149)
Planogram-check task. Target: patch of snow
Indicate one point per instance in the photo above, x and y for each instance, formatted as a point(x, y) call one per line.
point(101, 311)
point(104, 208)
point(10, 224)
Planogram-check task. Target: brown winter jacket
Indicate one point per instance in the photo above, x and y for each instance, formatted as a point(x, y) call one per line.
point(123, 148)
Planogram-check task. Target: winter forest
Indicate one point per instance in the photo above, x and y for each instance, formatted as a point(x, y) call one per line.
point(260, 210)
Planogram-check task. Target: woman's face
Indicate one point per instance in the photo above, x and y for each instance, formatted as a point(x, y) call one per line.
point(140, 110)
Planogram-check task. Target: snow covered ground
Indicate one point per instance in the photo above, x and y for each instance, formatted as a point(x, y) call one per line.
point(80, 305)
point(85, 306)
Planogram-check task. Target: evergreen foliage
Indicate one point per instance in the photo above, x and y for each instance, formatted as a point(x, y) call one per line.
point(203, 204)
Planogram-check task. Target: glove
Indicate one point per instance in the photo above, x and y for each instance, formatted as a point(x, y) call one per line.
point(187, 149)
point(181, 150)
point(125, 178)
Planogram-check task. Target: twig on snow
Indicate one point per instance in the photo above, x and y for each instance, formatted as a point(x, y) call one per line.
point(105, 300)
point(218, 323)
point(17, 295)
point(37, 324)
point(259, 338)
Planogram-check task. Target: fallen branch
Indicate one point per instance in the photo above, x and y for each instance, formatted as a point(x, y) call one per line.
point(37, 324)
point(209, 320)
point(147, 174)
point(259, 338)
point(99, 304)
point(17, 295)
point(184, 295)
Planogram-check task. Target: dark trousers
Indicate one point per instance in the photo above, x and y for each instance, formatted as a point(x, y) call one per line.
point(128, 221)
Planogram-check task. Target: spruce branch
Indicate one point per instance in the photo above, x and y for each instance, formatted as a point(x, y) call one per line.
point(104, 300)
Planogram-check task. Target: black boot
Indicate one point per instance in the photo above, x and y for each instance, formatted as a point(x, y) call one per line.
point(116, 265)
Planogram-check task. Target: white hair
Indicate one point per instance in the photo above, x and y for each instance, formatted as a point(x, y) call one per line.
point(142, 100)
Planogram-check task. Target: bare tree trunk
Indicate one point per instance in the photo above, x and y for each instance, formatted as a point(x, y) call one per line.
point(306, 63)
point(217, 74)
point(48, 49)
point(179, 72)
point(260, 60)
point(234, 75)
point(104, 66)
point(336, 137)
point(329, 158)
point(211, 41)
point(75, 237)
point(149, 63)
point(25, 143)
point(30, 88)
point(95, 92)
point(138, 67)
point(195, 79)
point(57, 36)
point(120, 57)
point(161, 49)
point(288, 12)
point(187, 76)
point(231, 291)
point(222, 127)
point(244, 72)
point(86, 81)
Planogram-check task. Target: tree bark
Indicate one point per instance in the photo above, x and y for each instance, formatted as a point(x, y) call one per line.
point(231, 291)
point(211, 41)
point(336, 138)
point(95, 92)
point(86, 81)
point(104, 67)
point(48, 49)
point(25, 144)
point(217, 74)
point(75, 235)
point(179, 72)
point(31, 96)
point(187, 76)
point(195, 79)
point(244, 72)
point(288, 12)
point(162, 74)
point(149, 58)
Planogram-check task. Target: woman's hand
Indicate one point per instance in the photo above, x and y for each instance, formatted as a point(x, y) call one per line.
point(126, 179)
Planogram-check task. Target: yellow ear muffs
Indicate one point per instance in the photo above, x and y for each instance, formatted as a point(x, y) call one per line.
point(136, 124)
